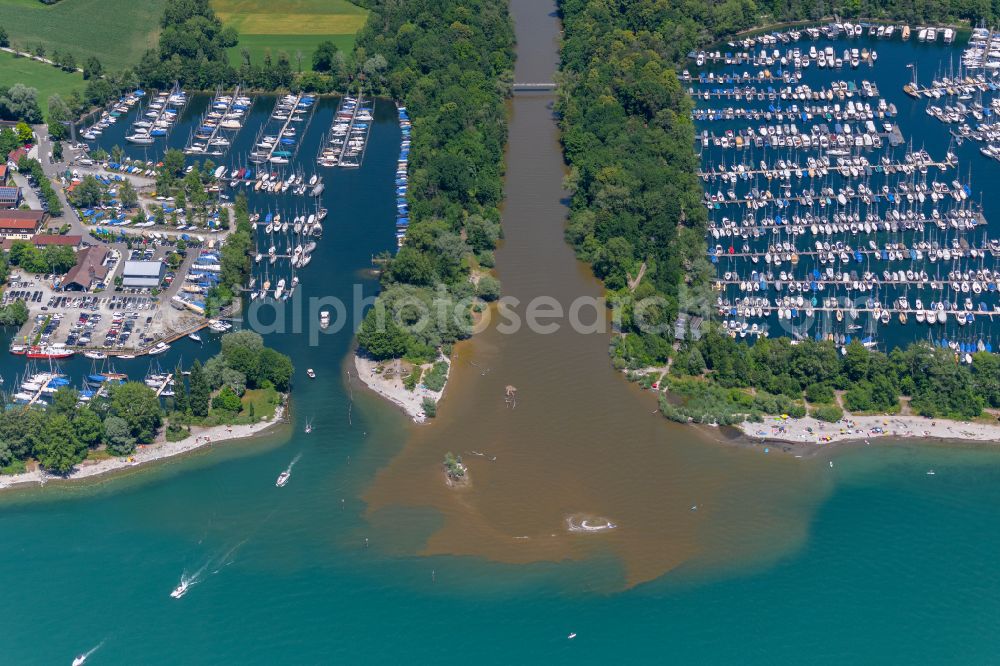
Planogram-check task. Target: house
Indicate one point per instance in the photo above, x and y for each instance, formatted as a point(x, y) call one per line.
point(687, 325)
point(15, 155)
point(20, 224)
point(4, 172)
point(143, 274)
point(44, 240)
point(88, 271)
point(10, 196)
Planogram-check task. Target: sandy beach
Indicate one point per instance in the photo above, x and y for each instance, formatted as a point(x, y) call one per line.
point(392, 389)
point(809, 430)
point(148, 453)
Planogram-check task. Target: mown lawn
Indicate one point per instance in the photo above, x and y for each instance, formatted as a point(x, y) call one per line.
point(290, 26)
point(259, 44)
point(116, 31)
point(36, 74)
point(264, 402)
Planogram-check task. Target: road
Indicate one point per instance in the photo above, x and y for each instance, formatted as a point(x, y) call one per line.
point(53, 170)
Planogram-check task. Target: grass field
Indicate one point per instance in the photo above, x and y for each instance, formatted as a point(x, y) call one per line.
point(290, 26)
point(36, 74)
point(116, 31)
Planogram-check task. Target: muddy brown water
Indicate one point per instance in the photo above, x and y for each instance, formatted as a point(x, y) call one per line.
point(581, 441)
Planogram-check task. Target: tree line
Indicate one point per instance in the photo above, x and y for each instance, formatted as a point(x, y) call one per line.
point(721, 380)
point(449, 62)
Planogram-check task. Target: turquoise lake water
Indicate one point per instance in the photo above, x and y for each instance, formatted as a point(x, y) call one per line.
point(894, 565)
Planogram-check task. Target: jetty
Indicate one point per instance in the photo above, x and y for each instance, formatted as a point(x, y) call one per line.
point(161, 115)
point(347, 140)
point(205, 139)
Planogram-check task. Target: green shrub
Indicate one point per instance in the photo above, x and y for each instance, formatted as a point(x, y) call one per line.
point(436, 376)
point(819, 393)
point(828, 413)
point(430, 407)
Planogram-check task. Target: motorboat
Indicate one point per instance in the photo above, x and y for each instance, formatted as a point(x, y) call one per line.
point(283, 479)
point(195, 337)
point(180, 590)
point(96, 355)
point(159, 348)
point(311, 373)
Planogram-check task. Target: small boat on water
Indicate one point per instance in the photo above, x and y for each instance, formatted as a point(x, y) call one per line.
point(95, 355)
point(195, 337)
point(159, 348)
point(180, 590)
point(311, 373)
point(309, 427)
point(283, 479)
point(80, 660)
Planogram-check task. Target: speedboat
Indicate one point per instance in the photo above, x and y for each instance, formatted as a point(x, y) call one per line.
point(95, 354)
point(195, 337)
point(159, 348)
point(311, 373)
point(309, 427)
point(180, 590)
point(79, 661)
point(283, 479)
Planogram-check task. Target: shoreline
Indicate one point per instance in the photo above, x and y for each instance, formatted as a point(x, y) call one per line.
point(146, 454)
point(810, 435)
point(411, 402)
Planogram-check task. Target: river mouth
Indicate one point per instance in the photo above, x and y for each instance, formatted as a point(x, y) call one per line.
point(580, 440)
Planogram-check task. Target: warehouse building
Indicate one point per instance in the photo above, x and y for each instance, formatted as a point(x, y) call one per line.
point(143, 274)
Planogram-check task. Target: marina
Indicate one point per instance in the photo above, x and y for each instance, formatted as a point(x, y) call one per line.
point(834, 212)
point(159, 117)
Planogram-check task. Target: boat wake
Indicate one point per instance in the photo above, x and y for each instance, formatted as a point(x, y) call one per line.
point(215, 564)
point(583, 523)
point(228, 558)
point(287, 474)
point(80, 660)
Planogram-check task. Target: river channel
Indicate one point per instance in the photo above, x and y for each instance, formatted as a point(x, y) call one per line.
point(367, 557)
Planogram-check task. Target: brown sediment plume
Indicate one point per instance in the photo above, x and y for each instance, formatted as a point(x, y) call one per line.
point(581, 441)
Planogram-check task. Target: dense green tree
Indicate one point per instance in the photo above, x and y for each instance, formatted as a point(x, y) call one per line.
point(381, 339)
point(276, 368)
point(21, 103)
point(64, 401)
point(227, 401)
point(88, 193)
point(57, 447)
point(127, 194)
point(92, 68)
point(88, 427)
point(181, 400)
point(119, 436)
point(138, 405)
point(59, 117)
point(324, 57)
point(200, 391)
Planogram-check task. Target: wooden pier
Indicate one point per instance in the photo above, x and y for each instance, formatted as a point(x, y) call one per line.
point(165, 384)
